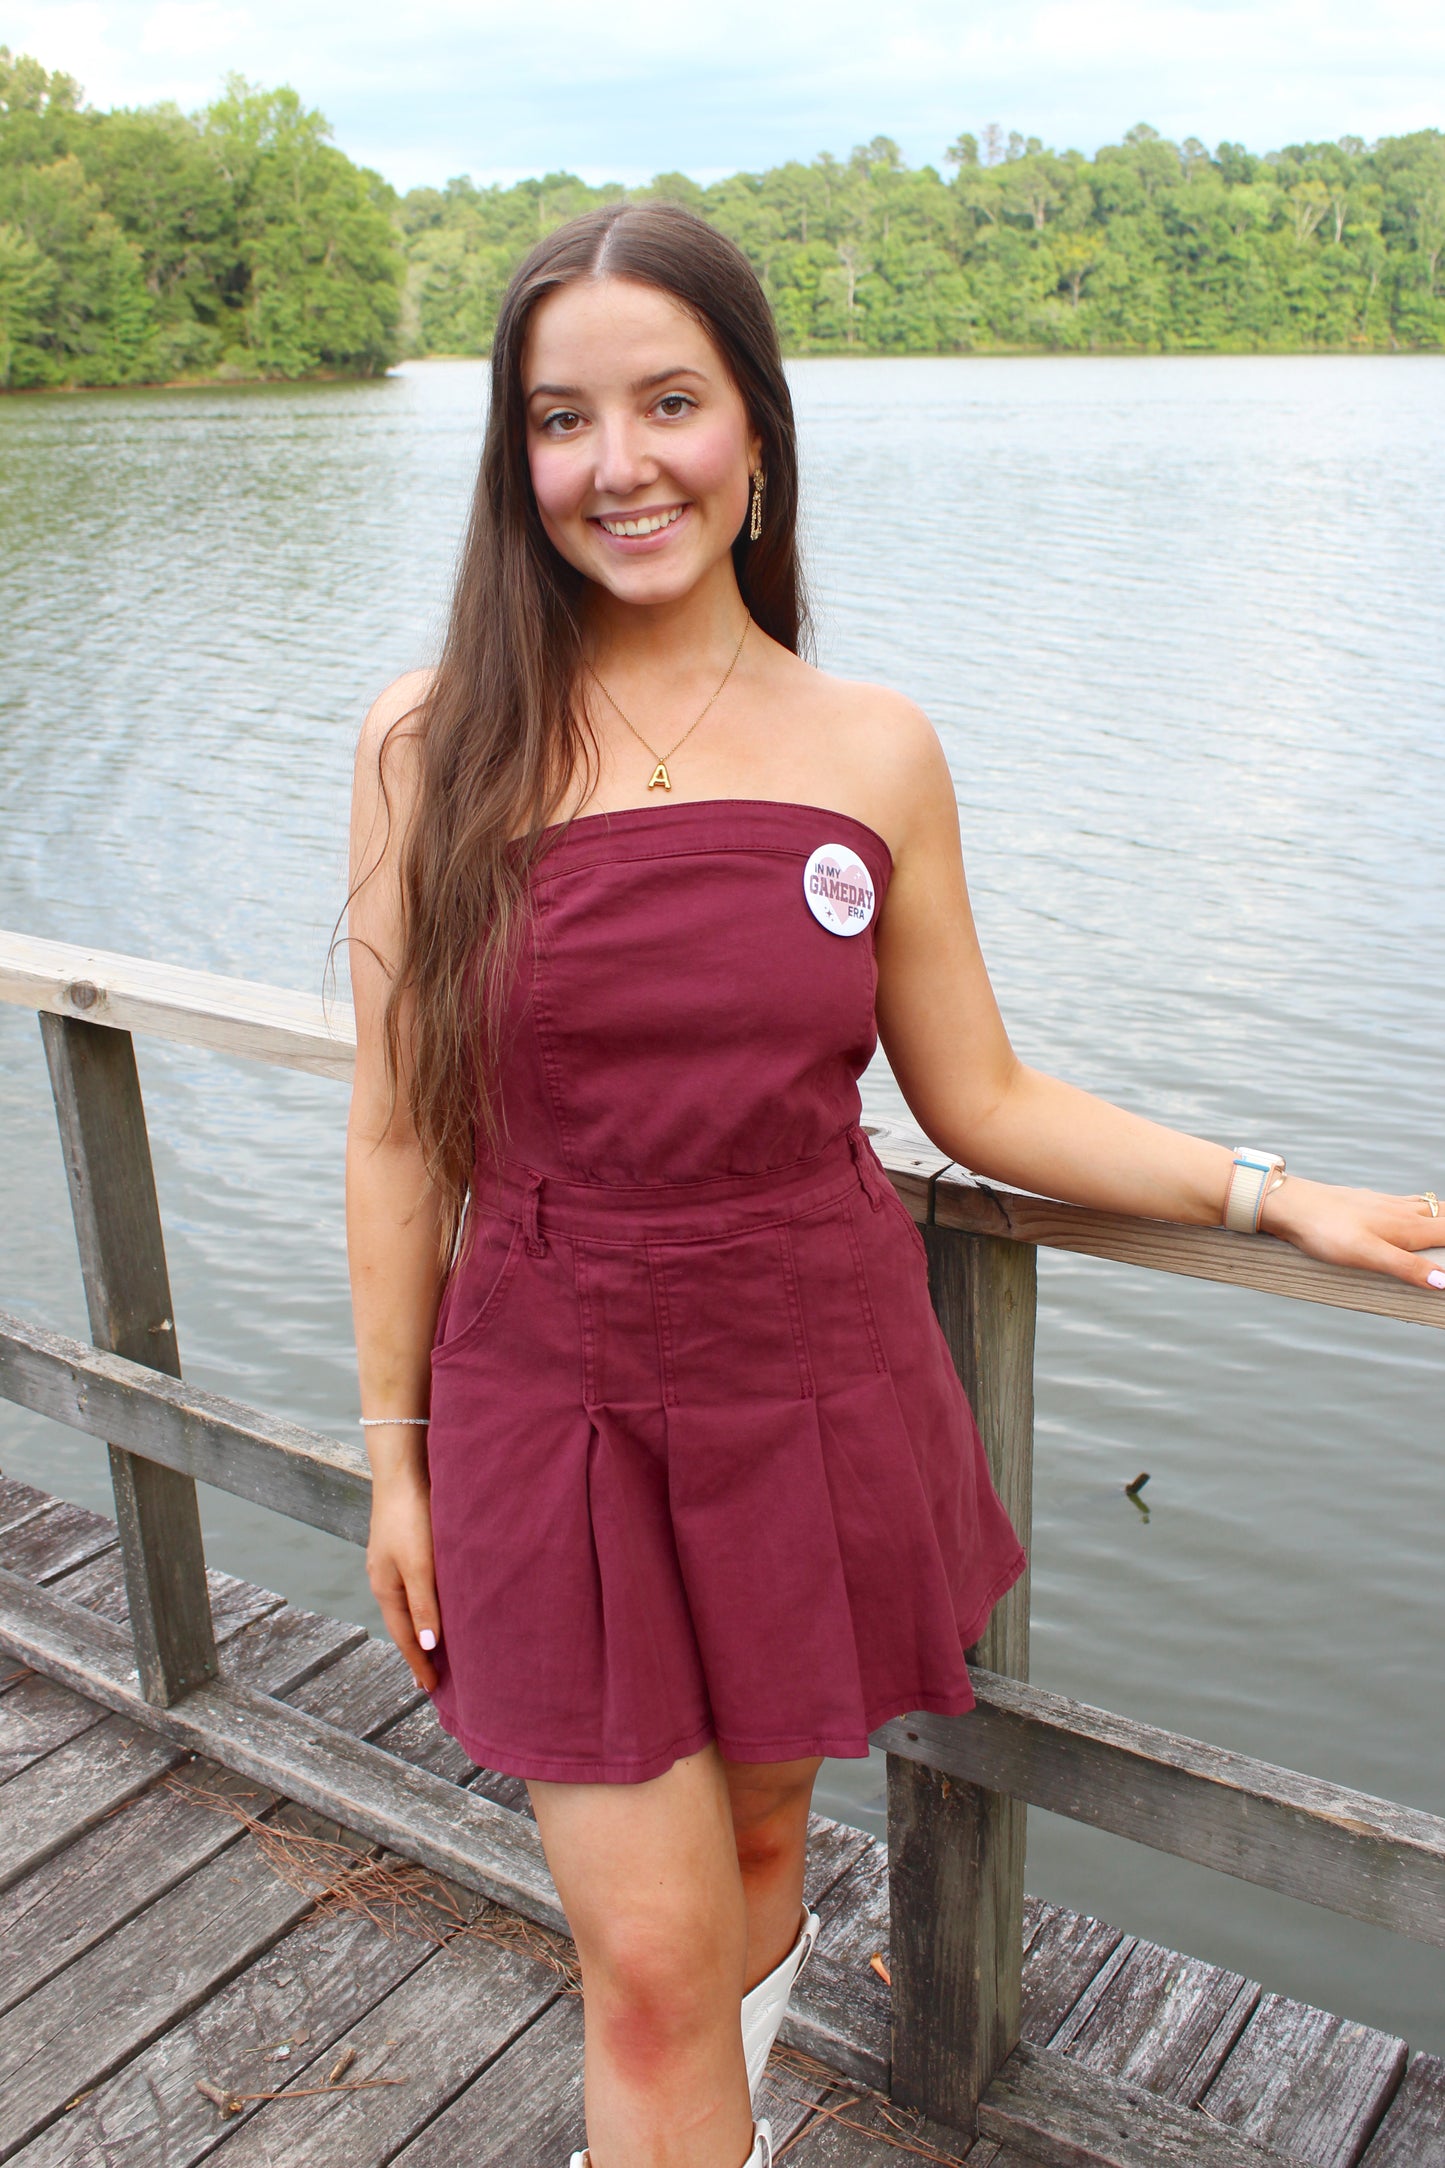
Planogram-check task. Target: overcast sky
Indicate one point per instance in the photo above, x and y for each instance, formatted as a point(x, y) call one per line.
point(619, 89)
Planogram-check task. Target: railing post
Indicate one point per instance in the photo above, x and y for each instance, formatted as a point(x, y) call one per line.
point(127, 1290)
point(956, 1851)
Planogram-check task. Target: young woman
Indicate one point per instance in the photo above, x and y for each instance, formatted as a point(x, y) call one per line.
point(701, 1500)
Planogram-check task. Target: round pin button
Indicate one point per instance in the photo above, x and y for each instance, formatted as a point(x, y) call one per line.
point(838, 888)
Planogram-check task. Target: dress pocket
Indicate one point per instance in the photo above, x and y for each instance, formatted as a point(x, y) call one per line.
point(913, 1233)
point(478, 1286)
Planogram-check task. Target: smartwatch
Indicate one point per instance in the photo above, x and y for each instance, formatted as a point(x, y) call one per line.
point(1254, 1175)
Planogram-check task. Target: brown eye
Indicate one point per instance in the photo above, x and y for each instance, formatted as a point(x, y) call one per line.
point(562, 423)
point(673, 403)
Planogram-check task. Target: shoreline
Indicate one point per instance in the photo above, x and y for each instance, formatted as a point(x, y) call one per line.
point(848, 354)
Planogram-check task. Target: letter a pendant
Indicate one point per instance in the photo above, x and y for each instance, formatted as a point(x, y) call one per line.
point(659, 778)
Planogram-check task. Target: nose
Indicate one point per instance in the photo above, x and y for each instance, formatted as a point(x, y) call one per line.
point(623, 461)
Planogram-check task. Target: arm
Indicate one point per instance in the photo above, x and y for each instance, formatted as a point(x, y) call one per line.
point(976, 1100)
point(391, 1219)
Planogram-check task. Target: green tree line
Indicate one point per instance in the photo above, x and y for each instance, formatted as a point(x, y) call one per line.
point(1148, 247)
point(136, 247)
point(143, 246)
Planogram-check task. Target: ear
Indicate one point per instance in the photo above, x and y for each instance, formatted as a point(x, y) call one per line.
point(755, 450)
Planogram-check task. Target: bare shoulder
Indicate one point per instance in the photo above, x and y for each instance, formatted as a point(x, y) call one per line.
point(384, 783)
point(883, 752)
point(379, 733)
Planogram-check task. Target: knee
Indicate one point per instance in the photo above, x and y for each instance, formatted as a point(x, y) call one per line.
point(769, 1828)
point(657, 1990)
point(765, 1845)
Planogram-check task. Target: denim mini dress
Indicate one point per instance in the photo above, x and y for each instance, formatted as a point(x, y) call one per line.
point(701, 1466)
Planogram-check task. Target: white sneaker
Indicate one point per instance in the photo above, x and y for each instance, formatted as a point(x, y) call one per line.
point(761, 2155)
point(764, 2006)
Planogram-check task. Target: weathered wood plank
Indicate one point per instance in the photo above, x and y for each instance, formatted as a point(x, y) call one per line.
point(100, 1587)
point(841, 2009)
point(303, 1993)
point(415, 2034)
point(94, 2016)
point(1065, 1953)
point(37, 1716)
point(288, 1646)
point(1311, 2085)
point(117, 1219)
point(503, 1791)
point(985, 1295)
point(168, 1001)
point(19, 1501)
point(454, 1832)
point(1062, 2117)
point(1366, 1857)
point(113, 1871)
point(956, 1851)
point(1161, 2020)
point(1199, 1253)
point(956, 1897)
point(419, 1738)
point(1412, 2134)
point(526, 2106)
point(57, 1799)
point(788, 2098)
point(204, 1435)
point(363, 1691)
point(833, 1847)
point(862, 2131)
point(49, 1544)
point(911, 1164)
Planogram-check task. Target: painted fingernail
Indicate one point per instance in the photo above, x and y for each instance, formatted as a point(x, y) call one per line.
point(428, 1639)
point(1435, 1279)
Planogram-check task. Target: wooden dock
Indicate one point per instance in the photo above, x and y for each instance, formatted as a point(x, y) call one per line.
point(177, 1939)
point(254, 1901)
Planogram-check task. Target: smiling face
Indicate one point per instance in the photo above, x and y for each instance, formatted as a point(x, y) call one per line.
point(638, 441)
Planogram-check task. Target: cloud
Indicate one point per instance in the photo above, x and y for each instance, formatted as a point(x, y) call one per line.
point(193, 29)
point(450, 86)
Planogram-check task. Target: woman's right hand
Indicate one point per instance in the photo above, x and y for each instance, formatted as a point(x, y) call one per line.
point(399, 1567)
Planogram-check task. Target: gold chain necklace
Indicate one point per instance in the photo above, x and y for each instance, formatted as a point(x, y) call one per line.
point(659, 778)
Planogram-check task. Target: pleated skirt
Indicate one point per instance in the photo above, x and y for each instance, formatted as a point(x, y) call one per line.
point(701, 1469)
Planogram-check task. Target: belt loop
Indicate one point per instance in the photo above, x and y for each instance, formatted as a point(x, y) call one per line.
point(531, 1218)
point(866, 1165)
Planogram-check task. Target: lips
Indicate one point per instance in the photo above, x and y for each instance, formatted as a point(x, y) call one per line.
point(637, 526)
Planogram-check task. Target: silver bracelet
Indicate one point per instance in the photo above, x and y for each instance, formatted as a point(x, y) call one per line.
point(377, 1422)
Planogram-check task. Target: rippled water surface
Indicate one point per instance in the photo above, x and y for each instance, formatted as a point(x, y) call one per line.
point(1179, 623)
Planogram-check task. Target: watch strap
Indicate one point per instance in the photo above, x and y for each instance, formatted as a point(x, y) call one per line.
point(1250, 1182)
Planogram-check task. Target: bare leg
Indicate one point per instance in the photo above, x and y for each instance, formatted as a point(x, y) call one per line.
point(770, 1803)
point(648, 1875)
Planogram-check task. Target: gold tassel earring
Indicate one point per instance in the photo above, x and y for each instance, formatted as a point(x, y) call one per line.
point(755, 521)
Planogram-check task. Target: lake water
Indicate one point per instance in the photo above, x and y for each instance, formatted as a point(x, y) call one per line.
point(1179, 623)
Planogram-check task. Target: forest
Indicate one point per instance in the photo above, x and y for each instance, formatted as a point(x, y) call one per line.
point(153, 246)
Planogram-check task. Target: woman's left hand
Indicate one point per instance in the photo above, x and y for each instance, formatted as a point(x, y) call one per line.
point(1360, 1227)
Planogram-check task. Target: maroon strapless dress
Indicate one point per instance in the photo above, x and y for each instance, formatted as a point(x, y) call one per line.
point(701, 1466)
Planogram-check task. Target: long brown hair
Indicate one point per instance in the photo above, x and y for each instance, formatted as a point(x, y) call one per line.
point(502, 732)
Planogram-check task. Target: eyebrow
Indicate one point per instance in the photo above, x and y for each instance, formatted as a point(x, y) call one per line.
point(644, 383)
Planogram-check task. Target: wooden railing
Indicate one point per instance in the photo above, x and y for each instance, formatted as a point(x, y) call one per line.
point(957, 1787)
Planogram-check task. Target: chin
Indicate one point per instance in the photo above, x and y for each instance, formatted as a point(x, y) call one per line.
point(648, 583)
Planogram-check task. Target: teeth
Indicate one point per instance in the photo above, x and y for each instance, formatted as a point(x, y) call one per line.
point(643, 526)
